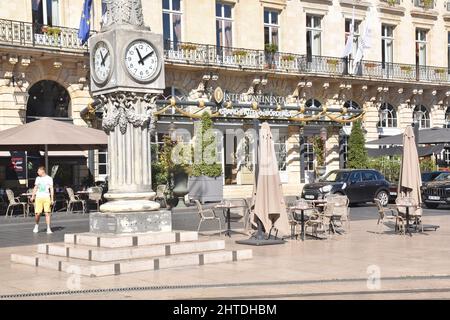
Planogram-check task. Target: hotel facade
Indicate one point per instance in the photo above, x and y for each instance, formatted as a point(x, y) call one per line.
point(277, 52)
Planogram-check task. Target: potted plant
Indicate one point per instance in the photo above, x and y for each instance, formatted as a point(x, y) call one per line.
point(270, 50)
point(205, 178)
point(333, 63)
point(427, 4)
point(392, 2)
point(370, 64)
point(319, 152)
point(239, 55)
point(166, 172)
point(188, 47)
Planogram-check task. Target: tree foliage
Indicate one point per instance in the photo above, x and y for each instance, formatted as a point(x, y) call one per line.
point(357, 153)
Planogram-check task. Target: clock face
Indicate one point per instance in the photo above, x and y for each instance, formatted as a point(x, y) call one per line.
point(141, 61)
point(102, 62)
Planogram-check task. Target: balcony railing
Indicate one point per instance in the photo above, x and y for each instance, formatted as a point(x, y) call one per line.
point(28, 34)
point(236, 58)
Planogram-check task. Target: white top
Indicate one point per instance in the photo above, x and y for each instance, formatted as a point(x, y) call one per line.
point(43, 186)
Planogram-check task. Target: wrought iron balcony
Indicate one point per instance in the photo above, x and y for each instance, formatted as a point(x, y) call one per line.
point(32, 35)
point(241, 59)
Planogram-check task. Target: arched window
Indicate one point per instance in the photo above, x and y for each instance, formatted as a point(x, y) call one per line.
point(312, 103)
point(422, 116)
point(447, 118)
point(388, 116)
point(47, 99)
point(350, 105)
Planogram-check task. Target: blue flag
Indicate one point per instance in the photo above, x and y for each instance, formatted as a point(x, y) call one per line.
point(85, 22)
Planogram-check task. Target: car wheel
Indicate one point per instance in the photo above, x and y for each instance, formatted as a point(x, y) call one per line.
point(431, 205)
point(383, 197)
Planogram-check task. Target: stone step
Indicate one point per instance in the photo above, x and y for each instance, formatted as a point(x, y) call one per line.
point(99, 269)
point(114, 254)
point(122, 241)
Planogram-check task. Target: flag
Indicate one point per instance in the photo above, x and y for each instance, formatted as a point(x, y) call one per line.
point(349, 44)
point(85, 22)
point(365, 43)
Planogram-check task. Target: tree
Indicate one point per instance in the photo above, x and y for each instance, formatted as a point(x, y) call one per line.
point(205, 150)
point(357, 153)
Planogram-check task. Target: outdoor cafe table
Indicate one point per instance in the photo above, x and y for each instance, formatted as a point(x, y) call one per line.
point(407, 205)
point(302, 210)
point(228, 206)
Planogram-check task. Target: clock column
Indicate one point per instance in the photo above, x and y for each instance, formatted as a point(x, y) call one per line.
point(128, 103)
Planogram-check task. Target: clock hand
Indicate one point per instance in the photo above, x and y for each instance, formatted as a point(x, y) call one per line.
point(141, 61)
point(104, 58)
point(145, 58)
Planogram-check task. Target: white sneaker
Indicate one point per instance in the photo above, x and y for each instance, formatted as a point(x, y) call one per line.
point(49, 231)
point(36, 229)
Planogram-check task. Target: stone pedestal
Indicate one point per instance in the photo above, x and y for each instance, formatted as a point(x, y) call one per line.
point(130, 207)
point(129, 223)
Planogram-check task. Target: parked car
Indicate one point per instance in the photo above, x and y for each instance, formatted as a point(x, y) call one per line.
point(437, 192)
point(359, 185)
point(430, 176)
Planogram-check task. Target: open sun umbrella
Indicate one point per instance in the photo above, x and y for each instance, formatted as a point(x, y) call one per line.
point(270, 207)
point(51, 135)
point(410, 178)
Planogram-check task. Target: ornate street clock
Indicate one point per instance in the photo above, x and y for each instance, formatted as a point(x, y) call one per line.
point(126, 59)
point(142, 61)
point(101, 63)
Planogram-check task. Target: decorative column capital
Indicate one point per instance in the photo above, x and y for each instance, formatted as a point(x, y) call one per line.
point(122, 108)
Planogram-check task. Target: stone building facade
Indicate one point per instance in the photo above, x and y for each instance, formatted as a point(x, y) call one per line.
point(404, 73)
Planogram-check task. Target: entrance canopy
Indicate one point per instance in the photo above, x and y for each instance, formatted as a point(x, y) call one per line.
point(56, 135)
point(396, 151)
point(426, 136)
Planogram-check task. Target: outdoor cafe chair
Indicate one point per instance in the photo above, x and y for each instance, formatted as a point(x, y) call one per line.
point(73, 199)
point(340, 210)
point(316, 223)
point(207, 215)
point(385, 213)
point(95, 195)
point(14, 202)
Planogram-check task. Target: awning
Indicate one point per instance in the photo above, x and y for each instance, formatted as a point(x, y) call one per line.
point(396, 151)
point(426, 136)
point(7, 154)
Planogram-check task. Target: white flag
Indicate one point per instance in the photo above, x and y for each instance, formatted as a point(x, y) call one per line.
point(365, 43)
point(349, 44)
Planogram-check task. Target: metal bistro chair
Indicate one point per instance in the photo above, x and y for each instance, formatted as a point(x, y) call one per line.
point(95, 195)
point(341, 210)
point(161, 194)
point(207, 214)
point(14, 202)
point(73, 199)
point(385, 213)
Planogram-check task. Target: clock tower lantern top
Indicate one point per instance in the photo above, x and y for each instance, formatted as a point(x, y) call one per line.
point(124, 12)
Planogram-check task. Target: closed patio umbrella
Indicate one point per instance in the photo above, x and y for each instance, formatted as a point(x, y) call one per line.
point(410, 179)
point(51, 135)
point(270, 207)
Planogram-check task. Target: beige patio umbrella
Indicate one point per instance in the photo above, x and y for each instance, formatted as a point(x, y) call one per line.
point(268, 199)
point(410, 179)
point(51, 135)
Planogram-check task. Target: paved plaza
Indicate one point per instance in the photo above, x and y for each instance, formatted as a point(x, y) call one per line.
point(361, 264)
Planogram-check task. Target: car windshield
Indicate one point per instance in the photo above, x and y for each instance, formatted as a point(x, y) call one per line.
point(443, 177)
point(335, 176)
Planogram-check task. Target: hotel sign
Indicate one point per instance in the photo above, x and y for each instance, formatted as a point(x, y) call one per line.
point(251, 113)
point(219, 96)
